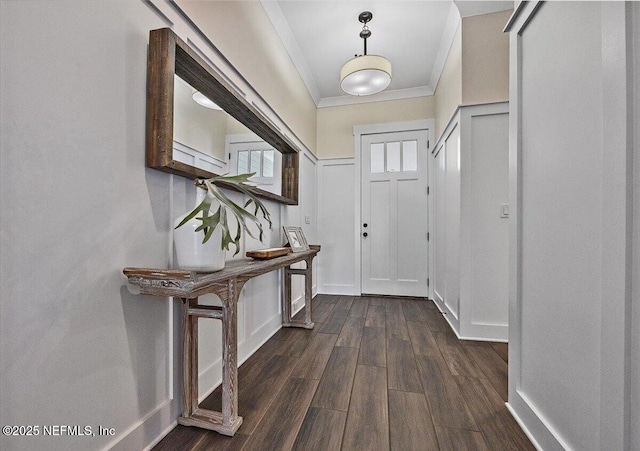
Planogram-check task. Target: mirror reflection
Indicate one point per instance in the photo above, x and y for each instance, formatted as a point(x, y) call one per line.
point(206, 137)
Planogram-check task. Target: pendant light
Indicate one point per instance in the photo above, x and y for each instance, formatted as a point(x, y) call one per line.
point(205, 101)
point(365, 74)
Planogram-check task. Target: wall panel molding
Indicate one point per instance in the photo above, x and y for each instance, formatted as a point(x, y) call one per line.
point(597, 328)
point(470, 241)
point(336, 217)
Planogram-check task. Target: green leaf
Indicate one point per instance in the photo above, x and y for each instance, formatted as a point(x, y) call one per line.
point(243, 216)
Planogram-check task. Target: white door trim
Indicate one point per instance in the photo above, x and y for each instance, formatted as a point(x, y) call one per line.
point(371, 129)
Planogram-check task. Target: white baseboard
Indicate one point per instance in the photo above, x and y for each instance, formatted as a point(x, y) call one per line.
point(447, 314)
point(138, 434)
point(159, 438)
point(533, 423)
point(484, 332)
point(475, 332)
point(345, 290)
point(526, 431)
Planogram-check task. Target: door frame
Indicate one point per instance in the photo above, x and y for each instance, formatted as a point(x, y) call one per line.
point(372, 129)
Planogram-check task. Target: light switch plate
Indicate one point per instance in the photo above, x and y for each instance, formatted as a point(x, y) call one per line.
point(504, 210)
point(307, 219)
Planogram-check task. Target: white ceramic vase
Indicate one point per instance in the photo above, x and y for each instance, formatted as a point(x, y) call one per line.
point(191, 253)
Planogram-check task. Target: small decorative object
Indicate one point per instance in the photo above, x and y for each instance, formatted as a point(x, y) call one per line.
point(210, 217)
point(296, 239)
point(266, 254)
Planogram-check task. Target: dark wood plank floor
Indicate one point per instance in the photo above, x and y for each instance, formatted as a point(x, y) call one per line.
point(375, 374)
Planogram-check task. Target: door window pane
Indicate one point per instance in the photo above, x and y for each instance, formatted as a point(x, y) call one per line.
point(393, 157)
point(267, 163)
point(256, 156)
point(377, 158)
point(243, 162)
point(410, 155)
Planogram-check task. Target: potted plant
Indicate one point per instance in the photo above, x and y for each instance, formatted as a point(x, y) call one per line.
point(210, 217)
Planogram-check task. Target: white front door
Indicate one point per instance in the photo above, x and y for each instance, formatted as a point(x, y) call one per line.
point(394, 227)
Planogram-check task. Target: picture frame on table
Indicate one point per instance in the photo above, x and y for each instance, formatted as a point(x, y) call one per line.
point(296, 239)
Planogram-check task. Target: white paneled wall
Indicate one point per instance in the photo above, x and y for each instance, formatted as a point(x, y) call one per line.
point(571, 187)
point(470, 238)
point(452, 222)
point(336, 210)
point(309, 210)
point(446, 239)
point(438, 191)
point(484, 232)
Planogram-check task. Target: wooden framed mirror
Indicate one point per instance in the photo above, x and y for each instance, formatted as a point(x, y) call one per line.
point(173, 67)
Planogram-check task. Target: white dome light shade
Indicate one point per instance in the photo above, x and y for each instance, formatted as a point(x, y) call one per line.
point(205, 101)
point(365, 75)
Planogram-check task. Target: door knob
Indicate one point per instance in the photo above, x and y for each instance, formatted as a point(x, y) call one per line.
point(365, 224)
point(365, 234)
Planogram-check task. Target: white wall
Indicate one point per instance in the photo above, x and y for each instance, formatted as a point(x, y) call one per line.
point(336, 210)
point(309, 211)
point(561, 210)
point(78, 205)
point(470, 239)
point(570, 235)
point(446, 236)
point(438, 199)
point(452, 222)
point(484, 233)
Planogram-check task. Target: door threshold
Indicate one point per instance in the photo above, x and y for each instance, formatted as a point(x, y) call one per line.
point(409, 298)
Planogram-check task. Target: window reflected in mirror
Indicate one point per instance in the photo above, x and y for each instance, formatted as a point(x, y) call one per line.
point(206, 137)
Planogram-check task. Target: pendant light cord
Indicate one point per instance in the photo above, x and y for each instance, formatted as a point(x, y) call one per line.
point(365, 34)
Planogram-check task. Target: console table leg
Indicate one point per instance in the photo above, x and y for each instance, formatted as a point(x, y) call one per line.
point(190, 359)
point(286, 297)
point(226, 422)
point(230, 419)
point(308, 294)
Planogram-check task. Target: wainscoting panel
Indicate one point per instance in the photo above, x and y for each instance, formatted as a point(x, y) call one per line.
point(485, 229)
point(471, 233)
point(336, 200)
point(571, 193)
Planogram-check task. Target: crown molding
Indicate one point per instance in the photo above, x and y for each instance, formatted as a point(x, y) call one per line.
point(449, 34)
point(479, 8)
point(396, 94)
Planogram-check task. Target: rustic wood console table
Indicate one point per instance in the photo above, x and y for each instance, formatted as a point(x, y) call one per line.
point(227, 284)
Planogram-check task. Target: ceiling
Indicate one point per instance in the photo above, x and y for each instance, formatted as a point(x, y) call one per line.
point(415, 36)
